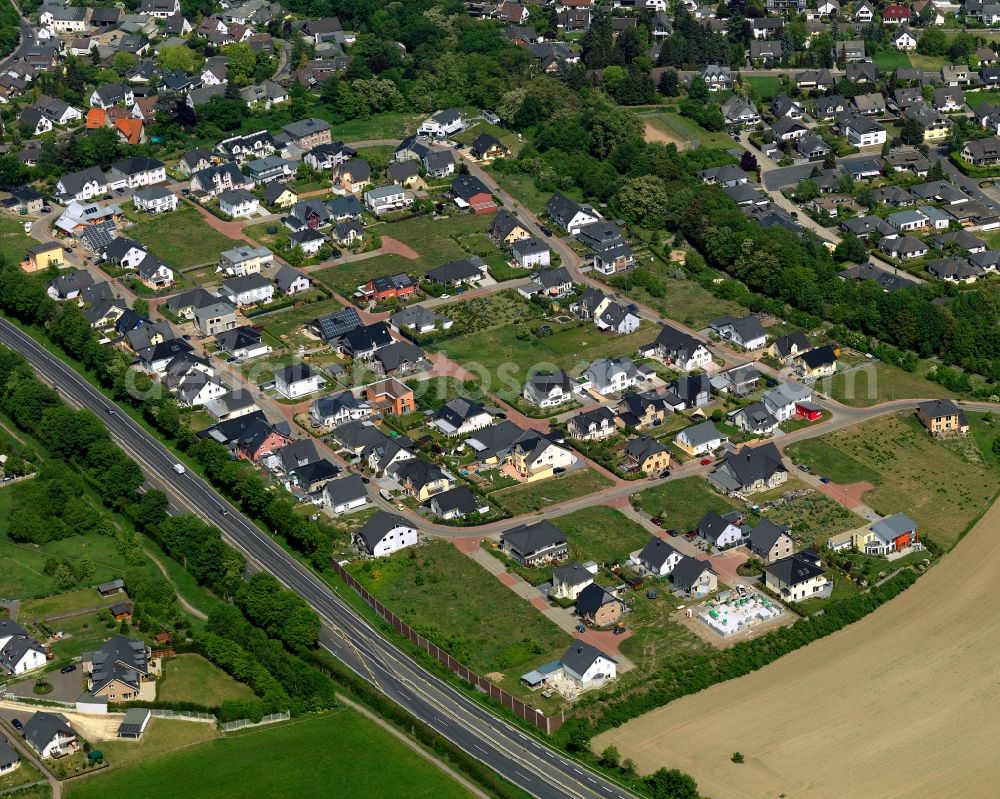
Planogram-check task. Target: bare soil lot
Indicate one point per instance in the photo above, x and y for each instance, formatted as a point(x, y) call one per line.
point(907, 714)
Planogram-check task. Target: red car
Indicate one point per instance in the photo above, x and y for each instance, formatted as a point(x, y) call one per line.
point(705, 461)
point(657, 521)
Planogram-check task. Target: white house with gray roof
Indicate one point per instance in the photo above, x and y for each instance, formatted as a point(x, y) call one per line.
point(384, 534)
point(700, 439)
point(588, 667)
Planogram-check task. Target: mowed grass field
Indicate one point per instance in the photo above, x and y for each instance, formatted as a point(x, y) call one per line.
point(340, 754)
point(601, 534)
point(891, 59)
point(513, 355)
point(767, 86)
point(942, 485)
point(682, 503)
point(181, 238)
point(940, 632)
point(458, 605)
point(875, 383)
point(13, 240)
point(80, 599)
point(344, 278)
point(685, 301)
point(536, 496)
point(191, 678)
point(690, 131)
point(22, 566)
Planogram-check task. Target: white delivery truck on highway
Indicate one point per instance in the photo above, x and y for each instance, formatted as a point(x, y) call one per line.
point(179, 468)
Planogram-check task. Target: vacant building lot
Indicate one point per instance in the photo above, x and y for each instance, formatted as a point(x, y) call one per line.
point(516, 350)
point(943, 485)
point(601, 534)
point(879, 382)
point(284, 763)
point(682, 503)
point(536, 496)
point(847, 741)
point(181, 238)
point(450, 600)
point(191, 678)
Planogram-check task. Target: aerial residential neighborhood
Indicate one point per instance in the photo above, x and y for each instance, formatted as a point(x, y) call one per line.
point(390, 388)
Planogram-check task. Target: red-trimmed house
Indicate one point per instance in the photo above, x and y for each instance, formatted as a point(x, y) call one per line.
point(387, 287)
point(259, 441)
point(470, 192)
point(809, 411)
point(895, 14)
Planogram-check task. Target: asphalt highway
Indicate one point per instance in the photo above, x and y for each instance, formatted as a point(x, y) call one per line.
point(522, 759)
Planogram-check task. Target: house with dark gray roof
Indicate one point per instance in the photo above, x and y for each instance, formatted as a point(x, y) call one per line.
point(50, 734)
point(659, 557)
point(750, 470)
point(769, 541)
point(797, 577)
point(346, 494)
point(535, 544)
point(384, 534)
point(694, 576)
point(587, 666)
point(720, 531)
point(457, 503)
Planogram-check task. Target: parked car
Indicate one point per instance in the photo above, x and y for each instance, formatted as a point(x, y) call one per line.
point(673, 533)
point(547, 231)
point(824, 479)
point(559, 470)
point(804, 467)
point(16, 724)
point(705, 461)
point(580, 628)
point(619, 630)
point(665, 474)
point(657, 521)
point(68, 669)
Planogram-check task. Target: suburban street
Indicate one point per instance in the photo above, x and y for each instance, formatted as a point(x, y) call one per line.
point(522, 759)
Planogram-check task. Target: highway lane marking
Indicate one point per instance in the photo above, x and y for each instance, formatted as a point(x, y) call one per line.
point(464, 712)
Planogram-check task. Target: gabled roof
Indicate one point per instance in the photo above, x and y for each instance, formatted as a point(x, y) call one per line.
point(379, 526)
point(592, 598)
point(345, 489)
point(460, 499)
point(573, 574)
point(529, 538)
point(751, 464)
point(765, 534)
point(581, 656)
point(41, 728)
point(796, 569)
point(689, 570)
point(656, 553)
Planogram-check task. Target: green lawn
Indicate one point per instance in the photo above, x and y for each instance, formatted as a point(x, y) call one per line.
point(444, 239)
point(507, 137)
point(523, 189)
point(767, 86)
point(515, 350)
point(930, 63)
point(191, 678)
point(13, 240)
point(181, 238)
point(601, 534)
point(274, 241)
point(80, 634)
point(344, 278)
point(536, 496)
point(690, 131)
point(682, 503)
point(380, 126)
point(282, 324)
point(891, 59)
point(456, 604)
point(656, 638)
point(685, 301)
point(843, 587)
point(80, 599)
point(21, 566)
point(162, 737)
point(942, 485)
point(22, 775)
point(880, 382)
point(300, 760)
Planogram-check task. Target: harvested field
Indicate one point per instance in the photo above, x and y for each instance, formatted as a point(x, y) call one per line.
point(932, 653)
point(660, 133)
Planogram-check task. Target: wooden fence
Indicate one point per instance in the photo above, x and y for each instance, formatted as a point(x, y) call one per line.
point(547, 724)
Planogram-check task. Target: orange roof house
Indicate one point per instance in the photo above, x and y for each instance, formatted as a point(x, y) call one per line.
point(130, 130)
point(95, 118)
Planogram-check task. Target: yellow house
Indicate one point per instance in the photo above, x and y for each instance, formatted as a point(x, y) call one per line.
point(42, 256)
point(506, 229)
point(942, 418)
point(646, 455)
point(817, 363)
point(280, 195)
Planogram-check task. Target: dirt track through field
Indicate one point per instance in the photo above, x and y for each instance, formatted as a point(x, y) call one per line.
point(901, 704)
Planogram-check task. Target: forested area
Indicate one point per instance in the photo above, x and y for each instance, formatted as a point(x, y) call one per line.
point(256, 640)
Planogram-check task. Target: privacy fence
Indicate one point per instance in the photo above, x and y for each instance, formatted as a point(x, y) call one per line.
point(547, 724)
